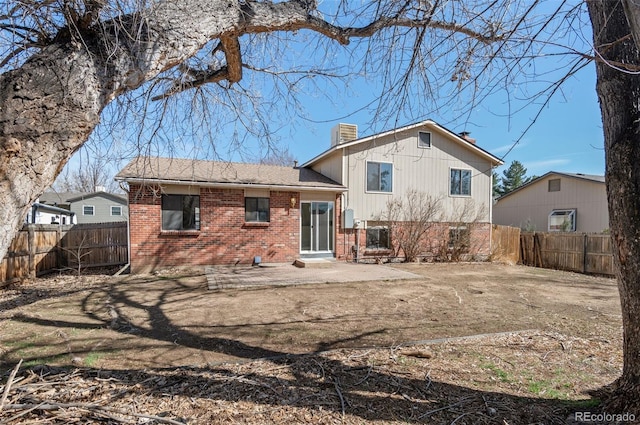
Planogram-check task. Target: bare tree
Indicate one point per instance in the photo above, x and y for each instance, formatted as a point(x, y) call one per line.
point(409, 220)
point(64, 62)
point(459, 242)
point(87, 177)
point(279, 157)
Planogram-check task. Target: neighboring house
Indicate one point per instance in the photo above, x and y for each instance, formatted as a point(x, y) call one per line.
point(556, 202)
point(91, 207)
point(48, 214)
point(185, 212)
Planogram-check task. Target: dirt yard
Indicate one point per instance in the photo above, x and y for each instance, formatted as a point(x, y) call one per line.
point(172, 351)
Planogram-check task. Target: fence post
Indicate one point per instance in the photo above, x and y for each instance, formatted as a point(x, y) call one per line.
point(584, 254)
point(31, 244)
point(59, 247)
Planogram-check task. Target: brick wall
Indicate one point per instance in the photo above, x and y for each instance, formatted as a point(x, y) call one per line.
point(223, 238)
point(435, 244)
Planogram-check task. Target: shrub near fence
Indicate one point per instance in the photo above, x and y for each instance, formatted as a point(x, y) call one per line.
point(578, 252)
point(41, 248)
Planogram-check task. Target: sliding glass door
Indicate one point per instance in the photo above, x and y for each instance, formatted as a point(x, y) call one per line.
point(316, 232)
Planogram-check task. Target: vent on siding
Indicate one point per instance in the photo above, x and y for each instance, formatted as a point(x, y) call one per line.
point(342, 133)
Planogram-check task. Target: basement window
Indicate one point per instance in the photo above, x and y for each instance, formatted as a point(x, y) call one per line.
point(378, 238)
point(459, 239)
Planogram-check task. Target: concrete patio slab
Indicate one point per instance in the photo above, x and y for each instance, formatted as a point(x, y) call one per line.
point(224, 277)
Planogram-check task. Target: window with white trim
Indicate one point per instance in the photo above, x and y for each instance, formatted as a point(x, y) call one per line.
point(379, 177)
point(88, 210)
point(180, 212)
point(562, 221)
point(378, 238)
point(460, 182)
point(424, 139)
point(116, 210)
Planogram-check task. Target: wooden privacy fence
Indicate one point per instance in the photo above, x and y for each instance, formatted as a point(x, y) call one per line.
point(581, 252)
point(505, 244)
point(41, 248)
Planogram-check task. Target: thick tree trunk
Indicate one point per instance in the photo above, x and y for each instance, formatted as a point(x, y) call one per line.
point(51, 104)
point(619, 96)
point(48, 108)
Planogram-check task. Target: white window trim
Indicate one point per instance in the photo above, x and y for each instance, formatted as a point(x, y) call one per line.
point(111, 210)
point(93, 210)
point(366, 180)
point(470, 182)
point(420, 145)
point(570, 212)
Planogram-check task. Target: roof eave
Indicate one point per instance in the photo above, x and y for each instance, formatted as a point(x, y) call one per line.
point(229, 185)
point(495, 161)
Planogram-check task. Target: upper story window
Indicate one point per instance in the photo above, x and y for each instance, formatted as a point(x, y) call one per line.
point(256, 210)
point(116, 210)
point(460, 182)
point(424, 139)
point(180, 212)
point(379, 177)
point(554, 185)
point(88, 210)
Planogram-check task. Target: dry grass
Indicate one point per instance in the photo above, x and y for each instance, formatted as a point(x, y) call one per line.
point(538, 376)
point(526, 377)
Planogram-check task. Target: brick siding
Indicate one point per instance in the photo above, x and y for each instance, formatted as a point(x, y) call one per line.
point(223, 238)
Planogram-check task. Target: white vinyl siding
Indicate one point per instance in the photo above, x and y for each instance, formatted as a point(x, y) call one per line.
point(426, 170)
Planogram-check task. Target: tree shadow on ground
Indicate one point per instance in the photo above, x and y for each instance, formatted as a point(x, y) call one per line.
point(293, 389)
point(327, 386)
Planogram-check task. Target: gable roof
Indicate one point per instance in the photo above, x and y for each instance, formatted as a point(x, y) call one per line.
point(63, 198)
point(587, 177)
point(111, 196)
point(229, 174)
point(51, 197)
point(456, 137)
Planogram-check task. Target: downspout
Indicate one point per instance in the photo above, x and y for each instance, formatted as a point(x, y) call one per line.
point(119, 272)
point(491, 214)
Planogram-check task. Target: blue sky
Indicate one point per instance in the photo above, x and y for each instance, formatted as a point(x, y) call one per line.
point(567, 136)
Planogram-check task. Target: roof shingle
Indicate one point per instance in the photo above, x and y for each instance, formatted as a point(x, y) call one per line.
point(210, 172)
